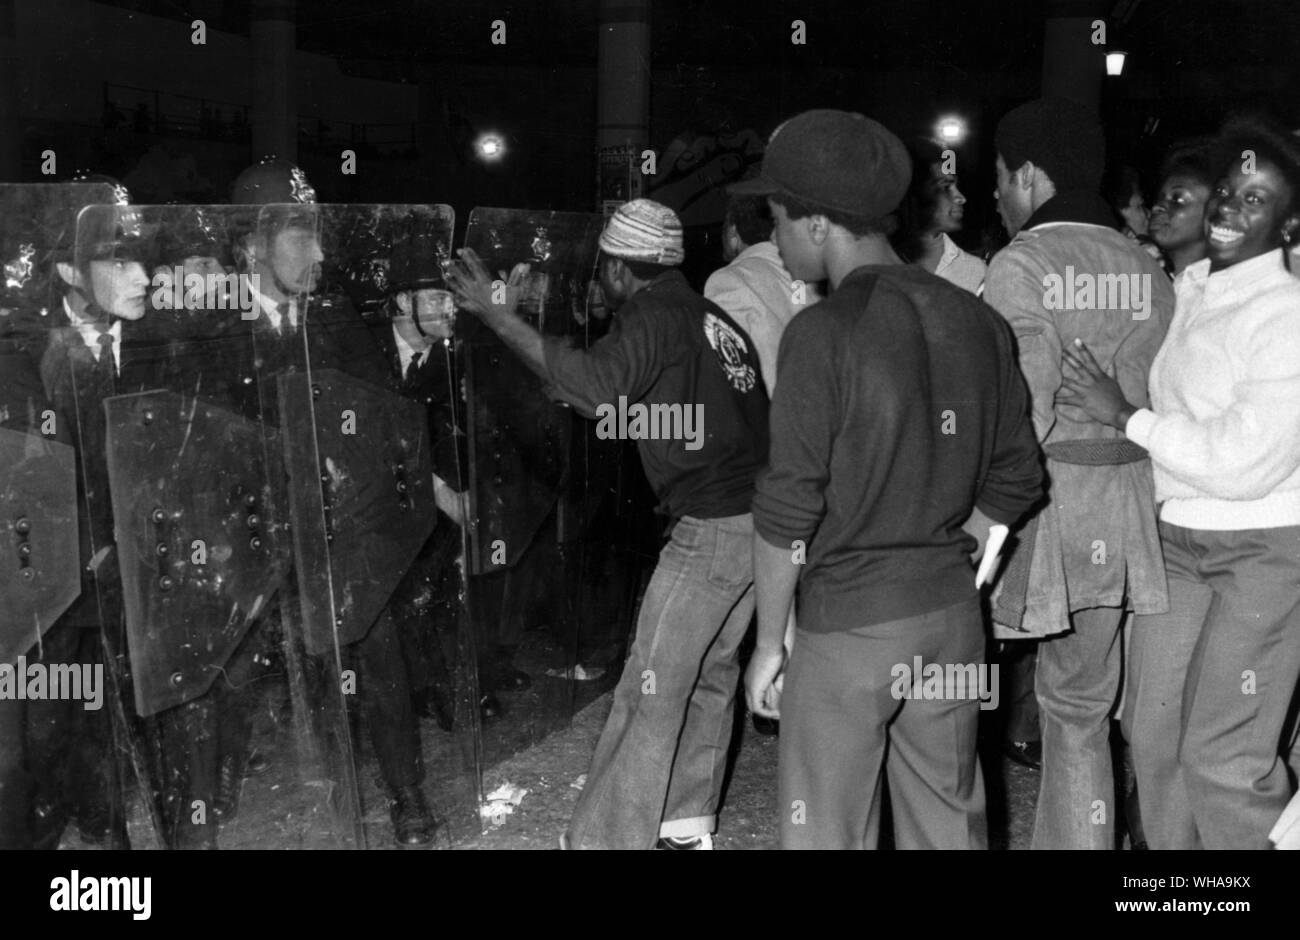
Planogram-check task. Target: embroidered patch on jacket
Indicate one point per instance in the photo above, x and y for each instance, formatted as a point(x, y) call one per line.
point(730, 349)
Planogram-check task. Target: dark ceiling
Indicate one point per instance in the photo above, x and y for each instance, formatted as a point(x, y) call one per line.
point(922, 33)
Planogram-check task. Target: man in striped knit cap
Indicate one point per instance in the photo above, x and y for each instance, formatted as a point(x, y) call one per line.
point(681, 361)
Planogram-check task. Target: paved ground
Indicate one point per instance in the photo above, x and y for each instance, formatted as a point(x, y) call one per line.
point(288, 808)
point(549, 769)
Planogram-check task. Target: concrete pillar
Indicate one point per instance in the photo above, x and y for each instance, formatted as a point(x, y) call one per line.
point(274, 118)
point(1073, 66)
point(622, 94)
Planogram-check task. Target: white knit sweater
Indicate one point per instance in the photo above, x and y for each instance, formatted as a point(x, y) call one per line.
point(1224, 425)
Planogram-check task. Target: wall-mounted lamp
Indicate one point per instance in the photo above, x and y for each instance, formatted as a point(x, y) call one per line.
point(951, 130)
point(490, 147)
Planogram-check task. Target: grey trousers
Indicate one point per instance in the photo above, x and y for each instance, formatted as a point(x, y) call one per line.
point(844, 728)
point(1210, 686)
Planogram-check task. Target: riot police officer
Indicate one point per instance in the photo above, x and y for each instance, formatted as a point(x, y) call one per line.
point(101, 291)
point(415, 335)
point(184, 346)
point(30, 731)
point(298, 321)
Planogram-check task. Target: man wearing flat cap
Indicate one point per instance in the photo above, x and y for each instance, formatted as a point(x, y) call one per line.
point(656, 777)
point(899, 434)
point(1093, 552)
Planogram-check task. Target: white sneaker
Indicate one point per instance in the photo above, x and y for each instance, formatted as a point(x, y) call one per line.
point(702, 843)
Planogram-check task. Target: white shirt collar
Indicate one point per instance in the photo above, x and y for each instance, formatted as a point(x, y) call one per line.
point(951, 252)
point(274, 315)
point(89, 332)
point(1242, 275)
point(405, 350)
point(764, 249)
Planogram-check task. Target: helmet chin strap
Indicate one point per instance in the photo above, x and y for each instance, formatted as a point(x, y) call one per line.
point(281, 288)
point(415, 317)
point(278, 285)
point(429, 338)
point(92, 312)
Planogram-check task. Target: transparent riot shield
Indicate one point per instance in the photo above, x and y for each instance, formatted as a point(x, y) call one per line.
point(238, 750)
point(39, 580)
point(39, 576)
point(38, 498)
point(371, 504)
point(68, 763)
point(539, 483)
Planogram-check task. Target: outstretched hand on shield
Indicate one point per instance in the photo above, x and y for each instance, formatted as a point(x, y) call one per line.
point(477, 292)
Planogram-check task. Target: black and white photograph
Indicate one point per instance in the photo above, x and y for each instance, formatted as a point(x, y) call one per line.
point(438, 425)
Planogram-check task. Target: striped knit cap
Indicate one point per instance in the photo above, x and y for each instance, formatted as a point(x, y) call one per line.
point(644, 230)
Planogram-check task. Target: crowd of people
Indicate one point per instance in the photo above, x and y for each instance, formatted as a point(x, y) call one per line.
point(1136, 433)
point(1118, 390)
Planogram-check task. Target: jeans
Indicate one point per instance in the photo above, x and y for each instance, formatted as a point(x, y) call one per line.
point(659, 764)
point(1210, 687)
point(1077, 683)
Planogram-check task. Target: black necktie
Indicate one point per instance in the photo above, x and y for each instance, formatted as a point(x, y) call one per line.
point(106, 367)
point(411, 368)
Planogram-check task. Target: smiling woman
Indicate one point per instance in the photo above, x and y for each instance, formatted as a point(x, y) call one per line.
point(1255, 206)
point(1177, 225)
point(1223, 432)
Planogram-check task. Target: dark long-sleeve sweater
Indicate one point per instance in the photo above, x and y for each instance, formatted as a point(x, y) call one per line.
point(900, 407)
point(671, 348)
